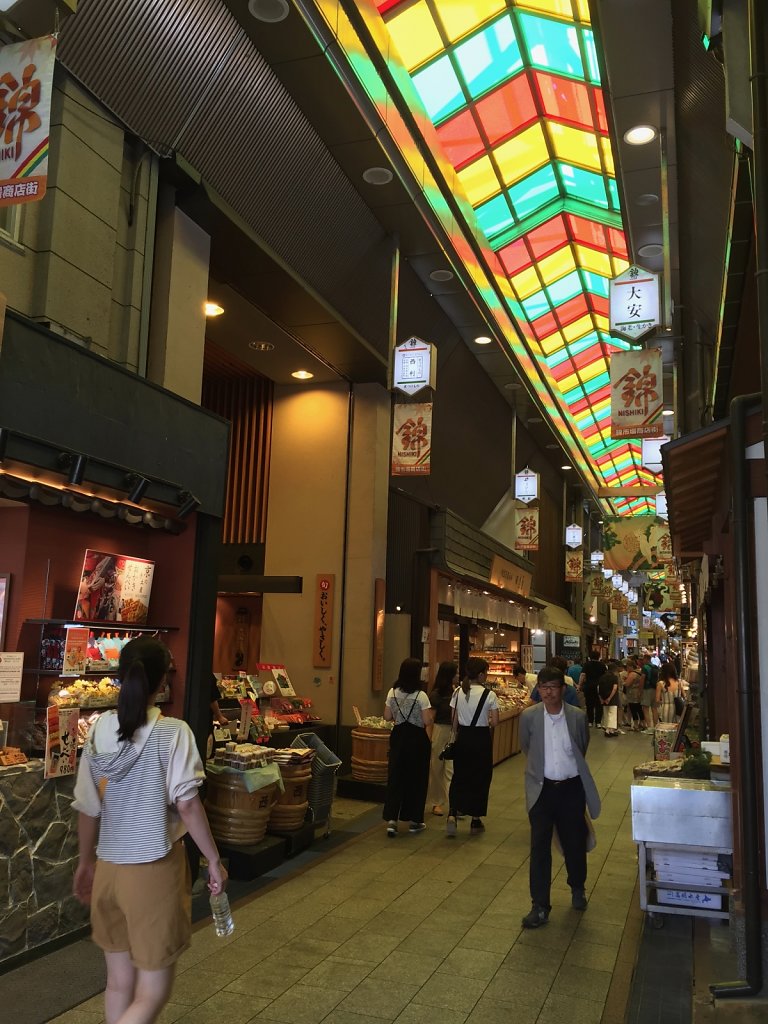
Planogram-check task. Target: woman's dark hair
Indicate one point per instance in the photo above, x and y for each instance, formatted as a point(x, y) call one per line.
point(143, 665)
point(443, 684)
point(594, 654)
point(409, 677)
point(475, 667)
point(667, 672)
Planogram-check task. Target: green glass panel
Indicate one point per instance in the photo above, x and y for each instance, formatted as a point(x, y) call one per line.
point(595, 283)
point(574, 395)
point(494, 216)
point(583, 184)
point(534, 192)
point(593, 66)
point(490, 57)
point(536, 305)
point(566, 288)
point(613, 194)
point(439, 89)
point(552, 45)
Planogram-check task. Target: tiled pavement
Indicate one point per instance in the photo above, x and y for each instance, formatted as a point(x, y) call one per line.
point(423, 929)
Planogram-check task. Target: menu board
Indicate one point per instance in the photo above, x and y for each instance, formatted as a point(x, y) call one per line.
point(11, 668)
point(114, 588)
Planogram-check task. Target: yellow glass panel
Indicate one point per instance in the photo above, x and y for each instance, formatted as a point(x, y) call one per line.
point(557, 7)
point(526, 283)
point(602, 323)
point(560, 263)
point(553, 343)
point(479, 180)
point(605, 146)
point(582, 6)
point(593, 370)
point(575, 146)
point(522, 154)
point(415, 35)
point(619, 265)
point(569, 382)
point(592, 259)
point(460, 16)
point(578, 328)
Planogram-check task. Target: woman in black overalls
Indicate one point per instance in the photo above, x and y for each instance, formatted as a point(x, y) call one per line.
point(409, 749)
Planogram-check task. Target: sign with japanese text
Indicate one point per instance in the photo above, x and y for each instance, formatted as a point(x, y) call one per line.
point(26, 84)
point(75, 651)
point(114, 588)
point(636, 394)
point(322, 637)
point(414, 366)
point(526, 529)
point(574, 535)
point(60, 741)
point(636, 543)
point(11, 669)
point(508, 576)
point(526, 485)
point(574, 566)
point(634, 299)
point(411, 439)
point(659, 596)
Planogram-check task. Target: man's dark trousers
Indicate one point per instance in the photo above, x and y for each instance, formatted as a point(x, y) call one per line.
point(561, 805)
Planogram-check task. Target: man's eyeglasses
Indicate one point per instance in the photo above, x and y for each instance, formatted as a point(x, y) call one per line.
point(550, 686)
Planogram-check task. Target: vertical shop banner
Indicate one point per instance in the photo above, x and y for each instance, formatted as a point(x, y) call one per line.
point(411, 439)
point(322, 637)
point(636, 543)
point(637, 394)
point(26, 84)
point(60, 741)
point(574, 566)
point(526, 529)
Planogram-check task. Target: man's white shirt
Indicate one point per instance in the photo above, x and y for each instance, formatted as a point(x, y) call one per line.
point(559, 762)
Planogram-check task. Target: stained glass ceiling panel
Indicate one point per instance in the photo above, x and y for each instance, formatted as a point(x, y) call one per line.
point(512, 88)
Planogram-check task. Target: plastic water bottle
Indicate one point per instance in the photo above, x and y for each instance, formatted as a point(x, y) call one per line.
point(222, 915)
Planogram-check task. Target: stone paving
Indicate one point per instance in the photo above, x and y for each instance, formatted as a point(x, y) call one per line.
point(422, 928)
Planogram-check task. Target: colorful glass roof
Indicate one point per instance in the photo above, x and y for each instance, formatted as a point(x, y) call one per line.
point(512, 88)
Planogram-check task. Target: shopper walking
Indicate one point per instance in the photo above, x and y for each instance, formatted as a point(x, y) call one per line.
point(667, 689)
point(409, 749)
point(648, 696)
point(590, 677)
point(608, 693)
point(441, 770)
point(475, 715)
point(558, 789)
point(633, 685)
point(136, 793)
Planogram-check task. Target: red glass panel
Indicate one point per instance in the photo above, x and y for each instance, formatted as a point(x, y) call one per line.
point(590, 355)
point(515, 257)
point(387, 5)
point(565, 100)
point(563, 370)
point(543, 326)
point(598, 303)
point(602, 119)
point(461, 139)
point(507, 110)
point(589, 232)
point(547, 237)
point(586, 403)
point(618, 242)
point(572, 309)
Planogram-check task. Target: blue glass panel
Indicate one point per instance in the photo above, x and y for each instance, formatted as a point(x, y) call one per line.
point(613, 192)
point(593, 68)
point(598, 285)
point(584, 185)
point(552, 45)
point(494, 216)
point(490, 57)
point(556, 358)
point(536, 305)
point(574, 395)
point(599, 382)
point(565, 288)
point(583, 343)
point(535, 191)
point(439, 89)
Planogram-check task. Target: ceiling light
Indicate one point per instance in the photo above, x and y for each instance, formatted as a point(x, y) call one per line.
point(535, 419)
point(187, 503)
point(640, 135)
point(552, 446)
point(138, 485)
point(566, 467)
point(213, 309)
point(667, 412)
point(647, 199)
point(378, 175)
point(652, 249)
point(261, 346)
point(483, 340)
point(302, 375)
point(270, 11)
point(513, 385)
point(441, 275)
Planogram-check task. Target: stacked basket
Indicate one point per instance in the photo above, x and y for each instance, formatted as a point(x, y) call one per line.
point(322, 786)
point(289, 812)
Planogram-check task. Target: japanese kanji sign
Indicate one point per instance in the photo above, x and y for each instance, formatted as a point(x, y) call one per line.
point(660, 596)
point(61, 741)
point(411, 439)
point(574, 536)
point(634, 303)
point(637, 394)
point(574, 566)
point(322, 641)
point(526, 485)
point(114, 588)
point(526, 529)
point(26, 83)
point(414, 366)
point(636, 543)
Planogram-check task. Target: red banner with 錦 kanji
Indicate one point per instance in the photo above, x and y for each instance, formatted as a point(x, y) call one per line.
point(637, 394)
point(26, 84)
point(526, 529)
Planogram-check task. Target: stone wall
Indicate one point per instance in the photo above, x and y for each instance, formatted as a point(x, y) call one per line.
point(38, 856)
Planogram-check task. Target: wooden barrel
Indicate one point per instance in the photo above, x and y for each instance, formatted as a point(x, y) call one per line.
point(296, 780)
point(370, 754)
point(287, 817)
point(237, 817)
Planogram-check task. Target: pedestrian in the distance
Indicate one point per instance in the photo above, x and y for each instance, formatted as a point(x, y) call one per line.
point(475, 715)
point(593, 670)
point(558, 789)
point(409, 749)
point(441, 769)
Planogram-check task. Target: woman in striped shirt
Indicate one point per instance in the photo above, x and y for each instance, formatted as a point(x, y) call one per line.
point(136, 792)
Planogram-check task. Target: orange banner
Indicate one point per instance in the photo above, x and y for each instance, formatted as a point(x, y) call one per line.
point(411, 439)
point(574, 566)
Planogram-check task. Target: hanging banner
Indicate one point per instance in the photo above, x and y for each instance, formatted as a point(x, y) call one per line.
point(636, 543)
point(526, 485)
point(414, 366)
point(659, 596)
point(411, 439)
point(114, 588)
point(574, 536)
point(637, 394)
point(574, 566)
point(634, 305)
point(526, 529)
point(322, 636)
point(60, 741)
point(26, 84)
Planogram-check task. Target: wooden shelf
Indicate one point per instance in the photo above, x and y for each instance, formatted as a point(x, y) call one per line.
point(107, 627)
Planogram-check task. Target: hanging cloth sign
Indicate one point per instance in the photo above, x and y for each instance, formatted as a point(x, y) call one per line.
point(573, 536)
point(526, 485)
point(636, 543)
point(411, 439)
point(26, 84)
point(634, 303)
point(526, 529)
point(574, 566)
point(636, 394)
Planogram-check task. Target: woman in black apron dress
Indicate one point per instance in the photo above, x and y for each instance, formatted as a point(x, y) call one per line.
point(409, 749)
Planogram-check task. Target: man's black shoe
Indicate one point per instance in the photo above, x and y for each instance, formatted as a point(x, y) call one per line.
point(579, 899)
point(536, 918)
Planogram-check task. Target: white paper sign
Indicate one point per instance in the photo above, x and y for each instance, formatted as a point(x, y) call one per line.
point(526, 485)
point(414, 366)
point(634, 303)
point(11, 669)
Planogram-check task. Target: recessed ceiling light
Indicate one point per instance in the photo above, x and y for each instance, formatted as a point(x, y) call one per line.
point(647, 199)
point(640, 135)
point(535, 419)
point(599, 522)
point(302, 375)
point(513, 385)
point(270, 11)
point(378, 175)
point(441, 275)
point(483, 340)
point(261, 346)
point(667, 412)
point(652, 249)
point(566, 467)
point(213, 309)
point(552, 446)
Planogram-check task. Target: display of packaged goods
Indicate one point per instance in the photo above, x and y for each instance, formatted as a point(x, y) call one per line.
point(86, 693)
point(512, 700)
point(258, 731)
point(375, 722)
point(233, 687)
point(10, 756)
point(243, 756)
point(293, 755)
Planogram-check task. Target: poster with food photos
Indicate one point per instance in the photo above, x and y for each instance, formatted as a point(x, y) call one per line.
point(114, 588)
point(61, 741)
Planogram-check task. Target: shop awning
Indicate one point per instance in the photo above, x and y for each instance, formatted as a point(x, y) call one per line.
point(693, 475)
point(559, 620)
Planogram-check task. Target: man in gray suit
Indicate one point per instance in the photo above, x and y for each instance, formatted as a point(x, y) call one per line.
point(558, 787)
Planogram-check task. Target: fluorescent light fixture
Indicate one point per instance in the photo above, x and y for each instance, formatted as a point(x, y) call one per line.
point(483, 340)
point(640, 135)
point(213, 309)
point(566, 467)
point(302, 375)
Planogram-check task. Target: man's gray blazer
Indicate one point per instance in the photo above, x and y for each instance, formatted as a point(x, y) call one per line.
point(532, 743)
